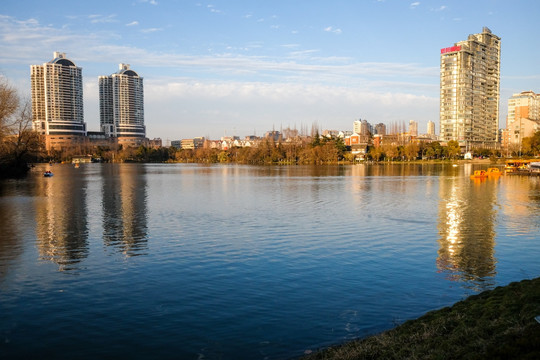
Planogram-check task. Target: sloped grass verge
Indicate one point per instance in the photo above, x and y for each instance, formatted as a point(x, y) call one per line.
point(495, 324)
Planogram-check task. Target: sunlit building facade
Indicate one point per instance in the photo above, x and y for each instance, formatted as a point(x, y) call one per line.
point(470, 90)
point(431, 128)
point(362, 127)
point(523, 117)
point(57, 101)
point(121, 105)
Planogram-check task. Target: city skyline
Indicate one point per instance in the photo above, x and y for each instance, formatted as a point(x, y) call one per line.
point(216, 69)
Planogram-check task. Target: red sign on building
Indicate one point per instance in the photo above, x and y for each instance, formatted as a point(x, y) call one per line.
point(450, 49)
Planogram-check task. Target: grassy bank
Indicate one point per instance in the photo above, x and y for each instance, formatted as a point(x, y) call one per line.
point(496, 324)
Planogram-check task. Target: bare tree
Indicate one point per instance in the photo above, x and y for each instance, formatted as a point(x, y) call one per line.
point(19, 144)
point(9, 102)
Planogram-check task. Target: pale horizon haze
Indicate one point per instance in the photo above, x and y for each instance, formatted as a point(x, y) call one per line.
point(223, 68)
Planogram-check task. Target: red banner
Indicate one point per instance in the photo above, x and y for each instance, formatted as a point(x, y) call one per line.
point(450, 49)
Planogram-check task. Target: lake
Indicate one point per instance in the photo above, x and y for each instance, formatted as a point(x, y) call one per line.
point(191, 261)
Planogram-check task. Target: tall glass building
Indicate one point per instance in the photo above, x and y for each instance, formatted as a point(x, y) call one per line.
point(470, 91)
point(121, 104)
point(57, 99)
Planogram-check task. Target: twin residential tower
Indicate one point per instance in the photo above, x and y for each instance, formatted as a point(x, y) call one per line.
point(121, 104)
point(57, 103)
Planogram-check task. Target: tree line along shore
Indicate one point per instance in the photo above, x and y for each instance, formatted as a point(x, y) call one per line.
point(21, 149)
point(21, 146)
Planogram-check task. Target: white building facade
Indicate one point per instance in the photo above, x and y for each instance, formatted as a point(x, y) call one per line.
point(121, 104)
point(57, 98)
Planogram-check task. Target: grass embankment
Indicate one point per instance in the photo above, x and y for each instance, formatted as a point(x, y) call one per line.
point(496, 324)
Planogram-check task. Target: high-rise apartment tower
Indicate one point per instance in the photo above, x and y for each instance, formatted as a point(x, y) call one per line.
point(469, 101)
point(57, 99)
point(121, 104)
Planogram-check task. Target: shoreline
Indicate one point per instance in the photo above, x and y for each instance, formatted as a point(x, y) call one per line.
point(498, 323)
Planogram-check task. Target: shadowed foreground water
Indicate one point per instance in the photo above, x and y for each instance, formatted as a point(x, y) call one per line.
point(238, 262)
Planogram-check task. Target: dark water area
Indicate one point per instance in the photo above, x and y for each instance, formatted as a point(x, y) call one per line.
point(189, 261)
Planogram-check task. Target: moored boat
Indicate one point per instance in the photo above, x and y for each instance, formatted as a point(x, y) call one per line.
point(534, 167)
point(479, 174)
point(493, 171)
point(513, 166)
point(48, 173)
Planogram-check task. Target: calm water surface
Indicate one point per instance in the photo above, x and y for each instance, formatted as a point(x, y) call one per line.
point(238, 262)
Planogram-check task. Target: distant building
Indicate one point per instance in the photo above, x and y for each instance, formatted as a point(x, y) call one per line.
point(357, 126)
point(413, 128)
point(431, 128)
point(362, 127)
point(344, 134)
point(330, 133)
point(121, 106)
point(275, 135)
point(57, 101)
point(380, 129)
point(469, 100)
point(194, 143)
point(523, 117)
point(155, 143)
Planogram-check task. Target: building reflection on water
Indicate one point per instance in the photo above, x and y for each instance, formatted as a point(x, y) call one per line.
point(10, 236)
point(124, 208)
point(467, 212)
point(62, 220)
point(62, 215)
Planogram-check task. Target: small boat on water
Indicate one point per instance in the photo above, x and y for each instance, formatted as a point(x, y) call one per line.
point(48, 173)
point(479, 174)
point(493, 171)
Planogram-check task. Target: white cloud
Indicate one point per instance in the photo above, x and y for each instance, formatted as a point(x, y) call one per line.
point(332, 30)
point(102, 19)
point(441, 8)
point(133, 23)
point(151, 30)
point(414, 5)
point(213, 9)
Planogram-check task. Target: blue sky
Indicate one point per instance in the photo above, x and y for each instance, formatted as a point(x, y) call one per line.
point(216, 68)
